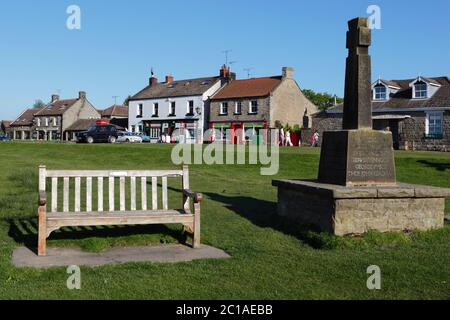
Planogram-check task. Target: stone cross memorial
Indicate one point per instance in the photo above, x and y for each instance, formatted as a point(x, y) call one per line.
point(356, 190)
point(357, 155)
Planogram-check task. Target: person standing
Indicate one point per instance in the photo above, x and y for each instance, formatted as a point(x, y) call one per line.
point(316, 139)
point(288, 139)
point(282, 137)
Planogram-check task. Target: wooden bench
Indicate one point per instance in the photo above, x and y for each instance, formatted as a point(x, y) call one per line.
point(126, 215)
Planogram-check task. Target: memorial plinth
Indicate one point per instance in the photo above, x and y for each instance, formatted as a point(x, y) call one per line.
point(355, 210)
point(357, 157)
point(356, 190)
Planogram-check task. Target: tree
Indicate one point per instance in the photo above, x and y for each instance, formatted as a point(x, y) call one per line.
point(322, 100)
point(38, 104)
point(127, 101)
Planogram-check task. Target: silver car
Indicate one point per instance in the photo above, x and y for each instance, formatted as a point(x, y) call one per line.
point(129, 137)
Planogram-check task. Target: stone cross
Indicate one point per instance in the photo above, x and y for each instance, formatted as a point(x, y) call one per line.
point(358, 92)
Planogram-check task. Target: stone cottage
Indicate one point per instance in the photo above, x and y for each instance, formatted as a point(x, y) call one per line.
point(5, 128)
point(52, 122)
point(257, 104)
point(23, 127)
point(416, 111)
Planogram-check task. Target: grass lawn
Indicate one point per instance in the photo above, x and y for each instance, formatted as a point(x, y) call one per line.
point(271, 258)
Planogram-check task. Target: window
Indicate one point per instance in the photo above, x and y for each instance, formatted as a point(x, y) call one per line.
point(224, 108)
point(155, 110)
point(254, 107)
point(172, 108)
point(420, 90)
point(190, 110)
point(46, 122)
point(140, 110)
point(54, 122)
point(155, 133)
point(379, 92)
point(133, 128)
point(434, 122)
point(38, 122)
point(238, 109)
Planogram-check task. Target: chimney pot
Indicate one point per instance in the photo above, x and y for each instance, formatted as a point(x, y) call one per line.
point(82, 95)
point(169, 79)
point(55, 98)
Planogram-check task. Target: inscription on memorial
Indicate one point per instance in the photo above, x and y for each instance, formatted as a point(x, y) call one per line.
point(370, 157)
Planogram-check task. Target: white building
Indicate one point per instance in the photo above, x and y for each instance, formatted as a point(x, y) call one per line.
point(161, 108)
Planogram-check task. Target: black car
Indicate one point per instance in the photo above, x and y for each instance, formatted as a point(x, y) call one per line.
point(99, 133)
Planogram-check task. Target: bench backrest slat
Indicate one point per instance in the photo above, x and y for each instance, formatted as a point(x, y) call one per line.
point(133, 193)
point(66, 195)
point(164, 194)
point(88, 194)
point(54, 194)
point(86, 177)
point(144, 193)
point(77, 194)
point(100, 194)
point(111, 194)
point(122, 193)
point(154, 193)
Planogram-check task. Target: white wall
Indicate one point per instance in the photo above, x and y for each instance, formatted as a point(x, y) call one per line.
point(181, 109)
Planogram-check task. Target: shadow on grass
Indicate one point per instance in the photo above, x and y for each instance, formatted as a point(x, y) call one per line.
point(263, 214)
point(24, 231)
point(440, 166)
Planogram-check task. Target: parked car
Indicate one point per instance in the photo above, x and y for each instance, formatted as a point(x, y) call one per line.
point(145, 138)
point(128, 137)
point(99, 133)
point(5, 138)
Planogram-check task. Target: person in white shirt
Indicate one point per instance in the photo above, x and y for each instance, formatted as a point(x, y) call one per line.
point(288, 139)
point(282, 137)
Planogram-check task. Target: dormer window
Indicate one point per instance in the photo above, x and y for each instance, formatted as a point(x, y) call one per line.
point(379, 92)
point(420, 90)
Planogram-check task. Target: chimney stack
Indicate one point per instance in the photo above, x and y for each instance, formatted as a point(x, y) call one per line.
point(288, 73)
point(153, 81)
point(82, 95)
point(169, 79)
point(224, 71)
point(55, 98)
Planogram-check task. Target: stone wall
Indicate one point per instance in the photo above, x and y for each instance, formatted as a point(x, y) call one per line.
point(326, 122)
point(289, 105)
point(412, 134)
point(357, 216)
point(356, 210)
point(263, 110)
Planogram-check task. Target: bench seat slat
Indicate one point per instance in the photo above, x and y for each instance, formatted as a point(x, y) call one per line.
point(138, 213)
point(58, 220)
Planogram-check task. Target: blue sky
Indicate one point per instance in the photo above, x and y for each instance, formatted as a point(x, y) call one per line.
point(120, 41)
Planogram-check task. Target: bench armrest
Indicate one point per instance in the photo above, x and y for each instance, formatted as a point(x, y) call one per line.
point(194, 195)
point(42, 198)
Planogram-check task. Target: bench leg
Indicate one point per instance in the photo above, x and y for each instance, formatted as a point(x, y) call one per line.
point(196, 233)
point(42, 236)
